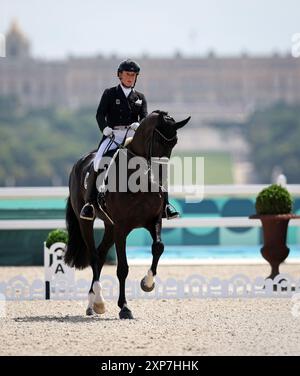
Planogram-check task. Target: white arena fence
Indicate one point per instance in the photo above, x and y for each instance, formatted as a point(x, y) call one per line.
point(209, 191)
point(194, 286)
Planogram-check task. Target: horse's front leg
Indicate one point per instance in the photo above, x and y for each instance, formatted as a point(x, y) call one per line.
point(122, 270)
point(148, 283)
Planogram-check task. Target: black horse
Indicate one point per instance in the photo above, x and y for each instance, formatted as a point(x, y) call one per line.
point(155, 137)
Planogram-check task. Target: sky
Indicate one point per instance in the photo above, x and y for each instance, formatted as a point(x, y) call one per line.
point(131, 28)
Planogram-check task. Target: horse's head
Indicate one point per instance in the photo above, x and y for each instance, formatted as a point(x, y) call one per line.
point(157, 135)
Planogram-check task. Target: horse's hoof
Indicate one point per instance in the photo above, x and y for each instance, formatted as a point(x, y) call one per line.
point(144, 287)
point(99, 308)
point(125, 313)
point(89, 311)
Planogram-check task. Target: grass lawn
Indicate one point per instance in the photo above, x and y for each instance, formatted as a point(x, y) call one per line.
point(218, 166)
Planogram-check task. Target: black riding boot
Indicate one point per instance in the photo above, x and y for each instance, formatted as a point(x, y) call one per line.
point(88, 210)
point(169, 211)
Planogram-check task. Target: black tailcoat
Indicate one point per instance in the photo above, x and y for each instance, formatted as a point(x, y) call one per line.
point(115, 109)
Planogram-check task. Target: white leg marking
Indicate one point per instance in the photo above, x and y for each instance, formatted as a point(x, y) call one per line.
point(98, 306)
point(91, 300)
point(149, 279)
point(98, 292)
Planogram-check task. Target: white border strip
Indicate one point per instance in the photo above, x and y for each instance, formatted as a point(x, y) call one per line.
point(220, 261)
point(42, 224)
point(175, 191)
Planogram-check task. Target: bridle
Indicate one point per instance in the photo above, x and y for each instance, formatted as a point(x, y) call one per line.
point(167, 139)
point(164, 137)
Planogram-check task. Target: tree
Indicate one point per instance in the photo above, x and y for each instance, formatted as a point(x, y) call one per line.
point(274, 134)
point(39, 147)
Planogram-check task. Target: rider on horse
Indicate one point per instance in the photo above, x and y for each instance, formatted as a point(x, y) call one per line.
point(121, 107)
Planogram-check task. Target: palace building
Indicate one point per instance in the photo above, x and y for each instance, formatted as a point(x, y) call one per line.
point(209, 88)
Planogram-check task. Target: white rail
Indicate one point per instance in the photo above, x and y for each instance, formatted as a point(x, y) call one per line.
point(40, 224)
point(175, 191)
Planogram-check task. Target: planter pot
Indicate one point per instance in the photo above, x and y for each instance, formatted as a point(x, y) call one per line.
point(274, 249)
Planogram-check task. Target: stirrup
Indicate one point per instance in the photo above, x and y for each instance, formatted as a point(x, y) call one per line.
point(171, 215)
point(87, 216)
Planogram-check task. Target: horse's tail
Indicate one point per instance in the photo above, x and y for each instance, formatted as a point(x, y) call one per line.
point(76, 254)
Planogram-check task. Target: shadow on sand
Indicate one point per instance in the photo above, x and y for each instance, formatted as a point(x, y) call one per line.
point(67, 318)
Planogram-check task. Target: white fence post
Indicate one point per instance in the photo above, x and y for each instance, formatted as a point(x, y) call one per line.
point(59, 277)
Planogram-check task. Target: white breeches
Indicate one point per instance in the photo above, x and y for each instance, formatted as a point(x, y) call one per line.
point(119, 136)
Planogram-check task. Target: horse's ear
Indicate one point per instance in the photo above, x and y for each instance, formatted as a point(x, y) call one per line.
point(181, 123)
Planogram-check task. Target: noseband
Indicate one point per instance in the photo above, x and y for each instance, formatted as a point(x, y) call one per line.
point(167, 139)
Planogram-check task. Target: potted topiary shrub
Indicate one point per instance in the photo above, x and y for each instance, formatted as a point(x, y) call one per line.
point(274, 206)
point(56, 236)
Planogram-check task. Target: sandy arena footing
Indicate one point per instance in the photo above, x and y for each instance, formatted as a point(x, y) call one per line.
point(263, 326)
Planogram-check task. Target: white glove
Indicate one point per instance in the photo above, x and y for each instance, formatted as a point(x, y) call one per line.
point(134, 126)
point(107, 131)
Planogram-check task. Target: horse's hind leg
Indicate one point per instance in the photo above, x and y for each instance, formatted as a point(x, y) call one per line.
point(96, 300)
point(147, 283)
point(87, 231)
